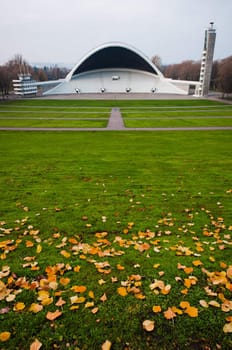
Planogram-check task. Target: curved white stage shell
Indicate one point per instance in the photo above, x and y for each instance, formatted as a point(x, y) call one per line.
point(117, 68)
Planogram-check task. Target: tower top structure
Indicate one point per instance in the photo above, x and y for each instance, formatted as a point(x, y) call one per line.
point(207, 60)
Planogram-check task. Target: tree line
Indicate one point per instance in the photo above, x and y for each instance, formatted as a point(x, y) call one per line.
point(221, 78)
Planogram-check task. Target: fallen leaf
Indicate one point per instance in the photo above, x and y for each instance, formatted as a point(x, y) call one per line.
point(229, 272)
point(77, 300)
point(19, 306)
point(64, 281)
point(169, 314)
point(204, 303)
point(227, 328)
point(4, 336)
point(122, 291)
point(60, 302)
point(35, 308)
point(79, 289)
point(38, 249)
point(51, 316)
point(95, 310)
point(214, 303)
point(103, 297)
point(106, 345)
point(192, 311)
point(36, 345)
point(148, 325)
point(184, 304)
point(156, 308)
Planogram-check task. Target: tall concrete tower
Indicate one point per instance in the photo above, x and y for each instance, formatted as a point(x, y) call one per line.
point(207, 60)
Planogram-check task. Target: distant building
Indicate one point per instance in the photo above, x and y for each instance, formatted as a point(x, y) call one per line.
point(207, 61)
point(120, 68)
point(25, 85)
point(117, 68)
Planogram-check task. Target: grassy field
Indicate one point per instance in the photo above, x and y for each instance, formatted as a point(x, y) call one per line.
point(100, 232)
point(140, 114)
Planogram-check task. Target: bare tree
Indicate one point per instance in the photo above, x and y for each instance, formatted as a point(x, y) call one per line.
point(156, 60)
point(225, 75)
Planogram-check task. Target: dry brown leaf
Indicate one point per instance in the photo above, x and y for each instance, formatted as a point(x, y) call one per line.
point(103, 297)
point(106, 345)
point(169, 314)
point(36, 345)
point(148, 325)
point(60, 302)
point(95, 310)
point(51, 316)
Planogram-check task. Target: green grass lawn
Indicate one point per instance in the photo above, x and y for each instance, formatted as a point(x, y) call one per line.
point(136, 113)
point(112, 229)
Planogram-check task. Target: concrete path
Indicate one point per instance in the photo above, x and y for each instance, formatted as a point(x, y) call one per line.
point(115, 121)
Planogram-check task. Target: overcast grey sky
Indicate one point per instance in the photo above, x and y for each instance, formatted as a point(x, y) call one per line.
point(65, 30)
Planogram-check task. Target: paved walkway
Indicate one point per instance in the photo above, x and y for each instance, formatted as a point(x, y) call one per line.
point(116, 123)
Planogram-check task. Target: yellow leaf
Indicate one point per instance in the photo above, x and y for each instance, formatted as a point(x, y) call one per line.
point(47, 301)
point(120, 267)
point(122, 291)
point(91, 294)
point(197, 263)
point(140, 296)
point(156, 308)
point(51, 316)
point(79, 289)
point(35, 308)
point(148, 325)
point(192, 311)
point(77, 300)
point(188, 270)
point(65, 254)
point(64, 281)
point(74, 307)
point(4, 336)
point(89, 304)
point(176, 310)
point(106, 345)
point(214, 303)
point(29, 244)
point(184, 304)
point(101, 281)
point(227, 328)
point(166, 289)
point(43, 294)
point(36, 345)
point(19, 306)
point(39, 249)
point(156, 266)
point(77, 268)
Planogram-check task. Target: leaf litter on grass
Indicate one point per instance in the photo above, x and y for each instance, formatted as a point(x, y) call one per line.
point(196, 255)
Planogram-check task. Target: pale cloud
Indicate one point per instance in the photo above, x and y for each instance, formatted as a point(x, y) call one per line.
point(65, 30)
